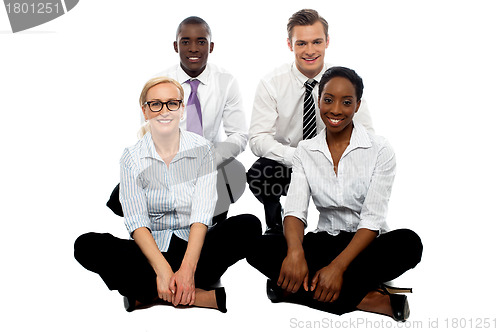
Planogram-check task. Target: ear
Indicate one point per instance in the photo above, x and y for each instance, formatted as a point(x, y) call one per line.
point(289, 43)
point(144, 113)
point(211, 47)
point(327, 41)
point(176, 48)
point(182, 111)
point(357, 106)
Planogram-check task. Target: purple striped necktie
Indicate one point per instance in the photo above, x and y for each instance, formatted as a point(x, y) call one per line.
point(193, 110)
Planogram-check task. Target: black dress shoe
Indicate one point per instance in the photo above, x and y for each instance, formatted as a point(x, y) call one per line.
point(220, 297)
point(129, 304)
point(276, 230)
point(400, 307)
point(399, 303)
point(274, 293)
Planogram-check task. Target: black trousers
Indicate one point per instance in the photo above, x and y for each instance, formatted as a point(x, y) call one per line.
point(386, 258)
point(123, 267)
point(269, 180)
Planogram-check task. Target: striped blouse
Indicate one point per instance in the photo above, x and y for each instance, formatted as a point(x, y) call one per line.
point(168, 199)
point(355, 198)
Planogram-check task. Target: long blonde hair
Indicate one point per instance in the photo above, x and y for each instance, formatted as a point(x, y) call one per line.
point(145, 128)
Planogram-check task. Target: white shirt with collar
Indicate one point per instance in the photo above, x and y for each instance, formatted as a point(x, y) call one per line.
point(168, 199)
point(357, 197)
point(276, 124)
point(224, 121)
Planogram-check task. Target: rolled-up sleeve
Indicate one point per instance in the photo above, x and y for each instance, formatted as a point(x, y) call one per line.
point(374, 211)
point(235, 125)
point(132, 195)
point(263, 127)
point(299, 192)
point(205, 193)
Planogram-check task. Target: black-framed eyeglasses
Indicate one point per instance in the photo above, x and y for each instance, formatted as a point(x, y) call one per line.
point(157, 106)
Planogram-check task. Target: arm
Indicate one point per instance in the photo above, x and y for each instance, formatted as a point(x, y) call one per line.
point(294, 271)
point(142, 236)
point(182, 281)
point(263, 127)
point(327, 282)
point(375, 206)
point(234, 123)
point(204, 197)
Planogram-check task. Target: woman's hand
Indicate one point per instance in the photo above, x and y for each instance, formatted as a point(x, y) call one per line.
point(163, 285)
point(327, 283)
point(182, 285)
point(182, 282)
point(294, 272)
point(164, 273)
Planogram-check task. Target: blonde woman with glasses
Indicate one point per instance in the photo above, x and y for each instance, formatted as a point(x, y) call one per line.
point(168, 193)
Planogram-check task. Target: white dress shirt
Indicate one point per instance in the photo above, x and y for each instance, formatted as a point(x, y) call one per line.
point(224, 121)
point(276, 124)
point(168, 199)
point(357, 197)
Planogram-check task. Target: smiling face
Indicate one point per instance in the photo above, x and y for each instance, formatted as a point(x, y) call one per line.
point(193, 45)
point(309, 43)
point(337, 105)
point(164, 122)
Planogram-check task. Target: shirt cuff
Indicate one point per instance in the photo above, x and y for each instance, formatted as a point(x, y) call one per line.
point(205, 220)
point(134, 223)
point(297, 215)
point(218, 158)
point(375, 226)
point(288, 156)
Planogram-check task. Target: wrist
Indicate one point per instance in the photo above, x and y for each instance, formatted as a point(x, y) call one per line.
point(188, 266)
point(163, 271)
point(339, 264)
point(296, 250)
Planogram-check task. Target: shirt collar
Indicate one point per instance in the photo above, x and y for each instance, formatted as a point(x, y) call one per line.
point(186, 148)
point(359, 139)
point(149, 150)
point(300, 78)
point(203, 77)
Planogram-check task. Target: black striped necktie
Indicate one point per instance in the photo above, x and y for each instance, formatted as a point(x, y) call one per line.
point(309, 121)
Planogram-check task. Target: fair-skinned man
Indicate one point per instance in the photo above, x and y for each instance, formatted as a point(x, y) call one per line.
point(309, 44)
point(285, 113)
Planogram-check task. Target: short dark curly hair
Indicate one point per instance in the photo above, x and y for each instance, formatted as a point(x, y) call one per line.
point(350, 74)
point(194, 20)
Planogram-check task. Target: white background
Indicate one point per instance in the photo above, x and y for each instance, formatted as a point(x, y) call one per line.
point(69, 94)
